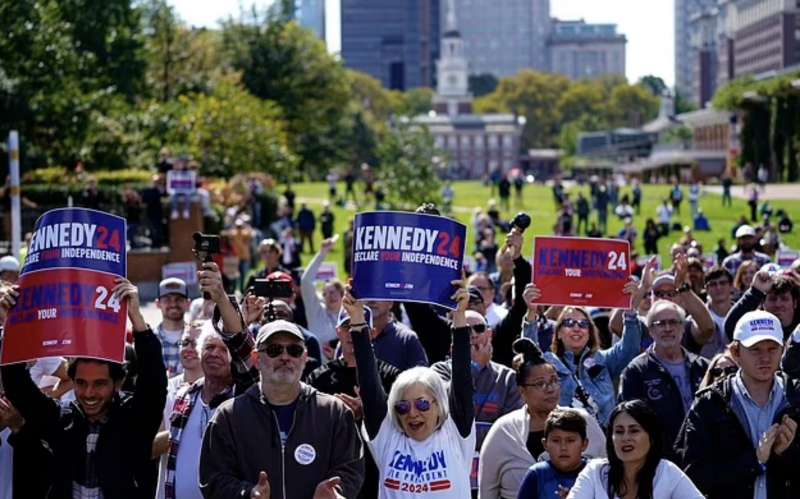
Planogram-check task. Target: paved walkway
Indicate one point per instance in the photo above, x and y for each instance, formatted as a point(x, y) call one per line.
point(772, 191)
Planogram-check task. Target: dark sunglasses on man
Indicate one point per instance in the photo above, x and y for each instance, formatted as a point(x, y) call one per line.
point(479, 328)
point(274, 350)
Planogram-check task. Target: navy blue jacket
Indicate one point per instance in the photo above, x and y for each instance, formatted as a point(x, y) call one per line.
point(716, 452)
point(647, 379)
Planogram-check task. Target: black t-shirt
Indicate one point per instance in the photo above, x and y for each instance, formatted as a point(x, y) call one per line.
point(534, 443)
point(285, 415)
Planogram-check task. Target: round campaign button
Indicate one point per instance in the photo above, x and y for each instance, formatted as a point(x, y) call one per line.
point(305, 454)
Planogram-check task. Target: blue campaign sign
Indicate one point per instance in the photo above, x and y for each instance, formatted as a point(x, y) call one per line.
point(401, 256)
point(78, 238)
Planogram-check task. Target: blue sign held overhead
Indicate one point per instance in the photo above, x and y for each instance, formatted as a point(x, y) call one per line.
point(78, 238)
point(401, 256)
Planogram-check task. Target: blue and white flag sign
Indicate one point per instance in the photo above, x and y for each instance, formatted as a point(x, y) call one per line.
point(400, 256)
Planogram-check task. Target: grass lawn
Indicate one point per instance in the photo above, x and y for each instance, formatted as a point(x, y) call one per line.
point(538, 202)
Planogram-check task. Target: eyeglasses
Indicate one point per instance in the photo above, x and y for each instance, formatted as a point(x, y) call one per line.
point(665, 294)
point(544, 385)
point(404, 406)
point(479, 328)
point(716, 372)
point(188, 343)
point(581, 323)
point(276, 350)
point(665, 323)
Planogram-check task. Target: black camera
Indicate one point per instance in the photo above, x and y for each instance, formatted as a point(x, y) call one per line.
point(521, 221)
point(205, 246)
point(272, 289)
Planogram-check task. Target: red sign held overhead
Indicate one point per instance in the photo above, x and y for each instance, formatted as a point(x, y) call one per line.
point(65, 306)
point(582, 271)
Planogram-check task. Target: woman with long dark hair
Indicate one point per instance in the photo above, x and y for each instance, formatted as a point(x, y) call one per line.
point(516, 440)
point(635, 468)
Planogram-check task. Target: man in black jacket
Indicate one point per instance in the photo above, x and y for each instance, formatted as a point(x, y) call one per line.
point(738, 439)
point(99, 441)
point(666, 375)
point(299, 443)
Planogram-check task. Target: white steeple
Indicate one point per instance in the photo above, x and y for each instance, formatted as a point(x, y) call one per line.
point(452, 67)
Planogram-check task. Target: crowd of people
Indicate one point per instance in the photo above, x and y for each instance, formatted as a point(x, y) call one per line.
point(693, 391)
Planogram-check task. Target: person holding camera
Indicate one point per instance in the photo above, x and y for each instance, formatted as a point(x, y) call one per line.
point(103, 439)
point(194, 404)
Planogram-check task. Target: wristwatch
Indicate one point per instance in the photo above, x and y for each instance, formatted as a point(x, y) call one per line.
point(684, 288)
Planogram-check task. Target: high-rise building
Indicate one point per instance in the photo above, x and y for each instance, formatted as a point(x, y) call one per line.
point(686, 57)
point(502, 37)
point(394, 41)
point(579, 50)
point(704, 52)
point(311, 14)
point(766, 36)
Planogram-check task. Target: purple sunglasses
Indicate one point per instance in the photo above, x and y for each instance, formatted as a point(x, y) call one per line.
point(404, 406)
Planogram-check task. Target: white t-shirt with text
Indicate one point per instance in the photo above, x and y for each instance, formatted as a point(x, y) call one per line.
point(438, 467)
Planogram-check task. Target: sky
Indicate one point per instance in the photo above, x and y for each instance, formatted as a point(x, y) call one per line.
point(648, 25)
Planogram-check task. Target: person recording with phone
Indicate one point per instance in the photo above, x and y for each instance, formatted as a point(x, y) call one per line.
point(267, 301)
point(191, 408)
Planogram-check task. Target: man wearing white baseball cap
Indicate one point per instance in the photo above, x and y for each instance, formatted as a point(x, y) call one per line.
point(9, 269)
point(746, 244)
point(738, 439)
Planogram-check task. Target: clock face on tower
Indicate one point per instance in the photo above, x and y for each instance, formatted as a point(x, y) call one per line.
point(452, 80)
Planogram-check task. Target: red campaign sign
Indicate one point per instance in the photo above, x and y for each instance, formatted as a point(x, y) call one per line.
point(582, 271)
point(53, 306)
point(65, 307)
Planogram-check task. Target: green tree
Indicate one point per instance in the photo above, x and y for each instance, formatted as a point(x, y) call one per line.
point(284, 63)
point(179, 60)
point(683, 104)
point(482, 84)
point(413, 102)
point(632, 106)
point(532, 95)
point(655, 84)
point(109, 32)
point(231, 131)
point(407, 168)
point(45, 94)
point(370, 96)
point(583, 98)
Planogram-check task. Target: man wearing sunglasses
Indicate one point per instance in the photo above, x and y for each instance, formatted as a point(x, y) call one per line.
point(666, 375)
point(699, 326)
point(495, 386)
point(299, 443)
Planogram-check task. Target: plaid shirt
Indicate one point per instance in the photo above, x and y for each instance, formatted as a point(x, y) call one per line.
point(171, 352)
point(89, 485)
point(240, 345)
